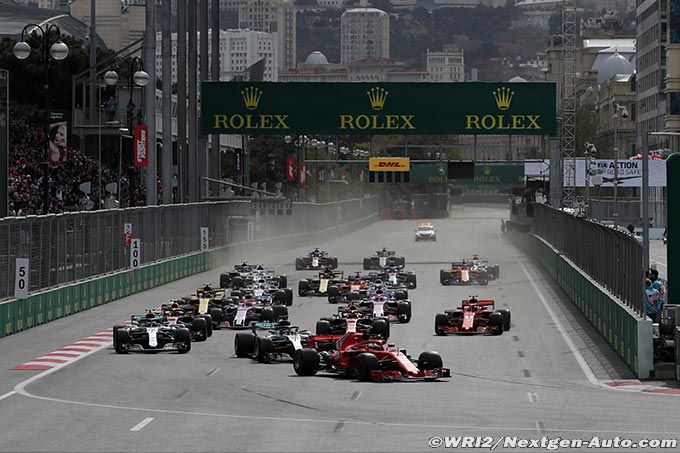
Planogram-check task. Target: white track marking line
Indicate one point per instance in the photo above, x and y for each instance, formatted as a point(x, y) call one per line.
point(20, 389)
point(560, 328)
point(142, 424)
point(7, 395)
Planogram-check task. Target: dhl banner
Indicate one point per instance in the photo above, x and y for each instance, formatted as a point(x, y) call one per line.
point(389, 164)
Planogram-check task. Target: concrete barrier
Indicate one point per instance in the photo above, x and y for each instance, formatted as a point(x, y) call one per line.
point(629, 334)
point(40, 308)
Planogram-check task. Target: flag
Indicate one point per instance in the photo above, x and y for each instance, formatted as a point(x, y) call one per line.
point(141, 136)
point(303, 174)
point(290, 168)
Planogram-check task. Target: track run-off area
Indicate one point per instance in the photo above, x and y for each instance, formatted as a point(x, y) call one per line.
point(550, 375)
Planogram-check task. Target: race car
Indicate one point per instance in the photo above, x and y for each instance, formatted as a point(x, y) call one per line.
point(464, 273)
point(383, 258)
point(200, 325)
point(474, 316)
point(246, 313)
point(316, 259)
point(382, 306)
point(353, 319)
point(492, 269)
point(244, 274)
point(366, 358)
point(396, 275)
point(151, 332)
point(426, 232)
point(279, 345)
point(319, 286)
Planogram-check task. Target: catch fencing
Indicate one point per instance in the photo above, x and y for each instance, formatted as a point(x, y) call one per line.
point(71, 247)
point(611, 257)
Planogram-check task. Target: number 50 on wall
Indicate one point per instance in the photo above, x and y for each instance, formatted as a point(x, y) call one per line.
point(21, 278)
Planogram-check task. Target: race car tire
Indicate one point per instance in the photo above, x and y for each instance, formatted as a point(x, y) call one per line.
point(200, 326)
point(404, 312)
point(303, 287)
point(115, 332)
point(333, 294)
point(367, 264)
point(208, 324)
point(381, 327)
point(183, 341)
point(216, 315)
point(495, 271)
point(505, 313)
point(323, 327)
point(334, 262)
point(444, 277)
point(280, 297)
point(429, 360)
point(299, 264)
point(122, 341)
point(237, 282)
point(401, 295)
point(244, 344)
point(353, 296)
point(267, 314)
point(441, 321)
point(364, 365)
point(289, 296)
point(411, 280)
point(263, 349)
point(483, 278)
point(399, 261)
point(283, 281)
point(496, 320)
point(280, 311)
point(225, 280)
point(306, 362)
point(235, 294)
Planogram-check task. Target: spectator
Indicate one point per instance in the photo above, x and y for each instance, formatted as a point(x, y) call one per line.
point(110, 107)
point(631, 228)
point(652, 303)
point(503, 226)
point(28, 179)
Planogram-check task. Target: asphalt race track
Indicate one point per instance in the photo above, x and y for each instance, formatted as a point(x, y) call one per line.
point(541, 378)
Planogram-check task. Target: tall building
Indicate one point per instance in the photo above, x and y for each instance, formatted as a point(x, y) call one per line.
point(364, 33)
point(239, 49)
point(446, 66)
point(652, 22)
point(270, 16)
point(117, 24)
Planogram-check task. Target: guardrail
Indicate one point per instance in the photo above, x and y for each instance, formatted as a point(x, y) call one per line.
point(624, 329)
point(45, 306)
point(72, 247)
point(611, 257)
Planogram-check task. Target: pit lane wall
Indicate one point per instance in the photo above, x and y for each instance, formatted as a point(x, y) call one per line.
point(629, 335)
point(42, 307)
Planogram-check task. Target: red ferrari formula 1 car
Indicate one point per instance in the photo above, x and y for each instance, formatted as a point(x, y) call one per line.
point(473, 316)
point(364, 357)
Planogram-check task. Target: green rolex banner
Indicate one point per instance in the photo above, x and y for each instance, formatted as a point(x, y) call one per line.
point(489, 176)
point(378, 108)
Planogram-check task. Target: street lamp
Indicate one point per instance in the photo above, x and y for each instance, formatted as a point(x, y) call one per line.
point(133, 68)
point(590, 153)
point(50, 48)
point(621, 112)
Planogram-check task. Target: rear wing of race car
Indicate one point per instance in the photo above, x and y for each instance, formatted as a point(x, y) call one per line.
point(482, 302)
